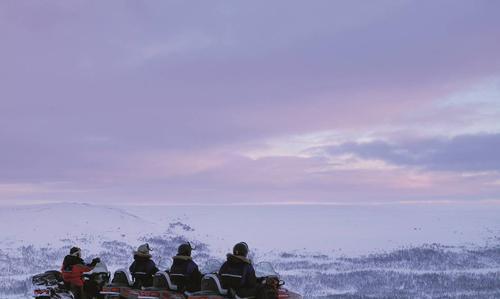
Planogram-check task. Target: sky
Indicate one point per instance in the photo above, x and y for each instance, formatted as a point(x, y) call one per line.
point(232, 102)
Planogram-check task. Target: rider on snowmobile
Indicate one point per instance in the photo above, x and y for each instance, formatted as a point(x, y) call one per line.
point(184, 271)
point(72, 270)
point(143, 268)
point(237, 272)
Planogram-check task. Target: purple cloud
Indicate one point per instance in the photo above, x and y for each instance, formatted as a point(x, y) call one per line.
point(121, 96)
point(460, 153)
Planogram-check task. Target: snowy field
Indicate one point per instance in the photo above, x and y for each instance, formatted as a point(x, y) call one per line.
point(347, 251)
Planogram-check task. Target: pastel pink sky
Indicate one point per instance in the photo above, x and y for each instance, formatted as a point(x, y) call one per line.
point(173, 102)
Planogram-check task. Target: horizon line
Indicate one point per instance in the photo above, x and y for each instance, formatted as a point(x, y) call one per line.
point(271, 203)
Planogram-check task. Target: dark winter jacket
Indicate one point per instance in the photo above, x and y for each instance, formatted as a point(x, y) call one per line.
point(238, 273)
point(142, 270)
point(73, 268)
point(185, 273)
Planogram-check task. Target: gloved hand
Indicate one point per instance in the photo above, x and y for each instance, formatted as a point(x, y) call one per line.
point(95, 261)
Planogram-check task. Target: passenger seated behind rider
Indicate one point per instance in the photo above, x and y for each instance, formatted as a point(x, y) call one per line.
point(184, 271)
point(72, 270)
point(237, 272)
point(143, 268)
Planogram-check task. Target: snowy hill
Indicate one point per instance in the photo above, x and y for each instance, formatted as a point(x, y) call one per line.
point(321, 251)
point(50, 224)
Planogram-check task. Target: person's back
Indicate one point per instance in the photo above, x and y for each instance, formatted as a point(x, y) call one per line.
point(143, 268)
point(184, 271)
point(237, 272)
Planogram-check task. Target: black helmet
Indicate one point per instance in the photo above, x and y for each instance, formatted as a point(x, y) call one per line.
point(75, 251)
point(240, 249)
point(185, 249)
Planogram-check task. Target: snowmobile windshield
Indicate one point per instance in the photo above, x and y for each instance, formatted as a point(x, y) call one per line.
point(164, 263)
point(265, 269)
point(211, 266)
point(99, 268)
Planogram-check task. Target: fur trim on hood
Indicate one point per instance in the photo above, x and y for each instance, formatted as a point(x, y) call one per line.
point(182, 257)
point(238, 258)
point(142, 254)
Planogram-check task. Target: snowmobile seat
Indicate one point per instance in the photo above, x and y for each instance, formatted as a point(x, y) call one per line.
point(121, 278)
point(230, 281)
point(48, 278)
point(142, 279)
point(161, 280)
point(178, 279)
point(211, 282)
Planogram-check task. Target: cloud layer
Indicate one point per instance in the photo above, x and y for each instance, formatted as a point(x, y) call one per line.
point(167, 101)
point(467, 153)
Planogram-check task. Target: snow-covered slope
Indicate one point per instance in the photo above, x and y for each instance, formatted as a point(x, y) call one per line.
point(48, 224)
point(319, 250)
point(351, 229)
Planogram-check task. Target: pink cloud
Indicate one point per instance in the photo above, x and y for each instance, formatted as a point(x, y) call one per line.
point(158, 100)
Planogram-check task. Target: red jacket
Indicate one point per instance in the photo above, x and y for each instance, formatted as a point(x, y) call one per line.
point(72, 270)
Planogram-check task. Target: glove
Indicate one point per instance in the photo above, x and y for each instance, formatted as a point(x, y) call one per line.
point(95, 261)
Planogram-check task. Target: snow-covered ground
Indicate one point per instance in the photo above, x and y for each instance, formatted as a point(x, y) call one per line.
point(321, 250)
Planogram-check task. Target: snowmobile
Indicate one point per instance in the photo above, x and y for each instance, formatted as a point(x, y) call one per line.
point(162, 288)
point(119, 287)
point(123, 287)
point(51, 285)
point(211, 286)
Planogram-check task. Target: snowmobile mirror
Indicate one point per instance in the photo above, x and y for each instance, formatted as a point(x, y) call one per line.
point(281, 283)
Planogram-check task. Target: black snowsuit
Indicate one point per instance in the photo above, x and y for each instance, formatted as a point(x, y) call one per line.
point(237, 273)
point(142, 270)
point(185, 273)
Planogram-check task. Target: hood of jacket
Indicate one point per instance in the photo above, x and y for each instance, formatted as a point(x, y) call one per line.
point(238, 259)
point(182, 258)
point(141, 258)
